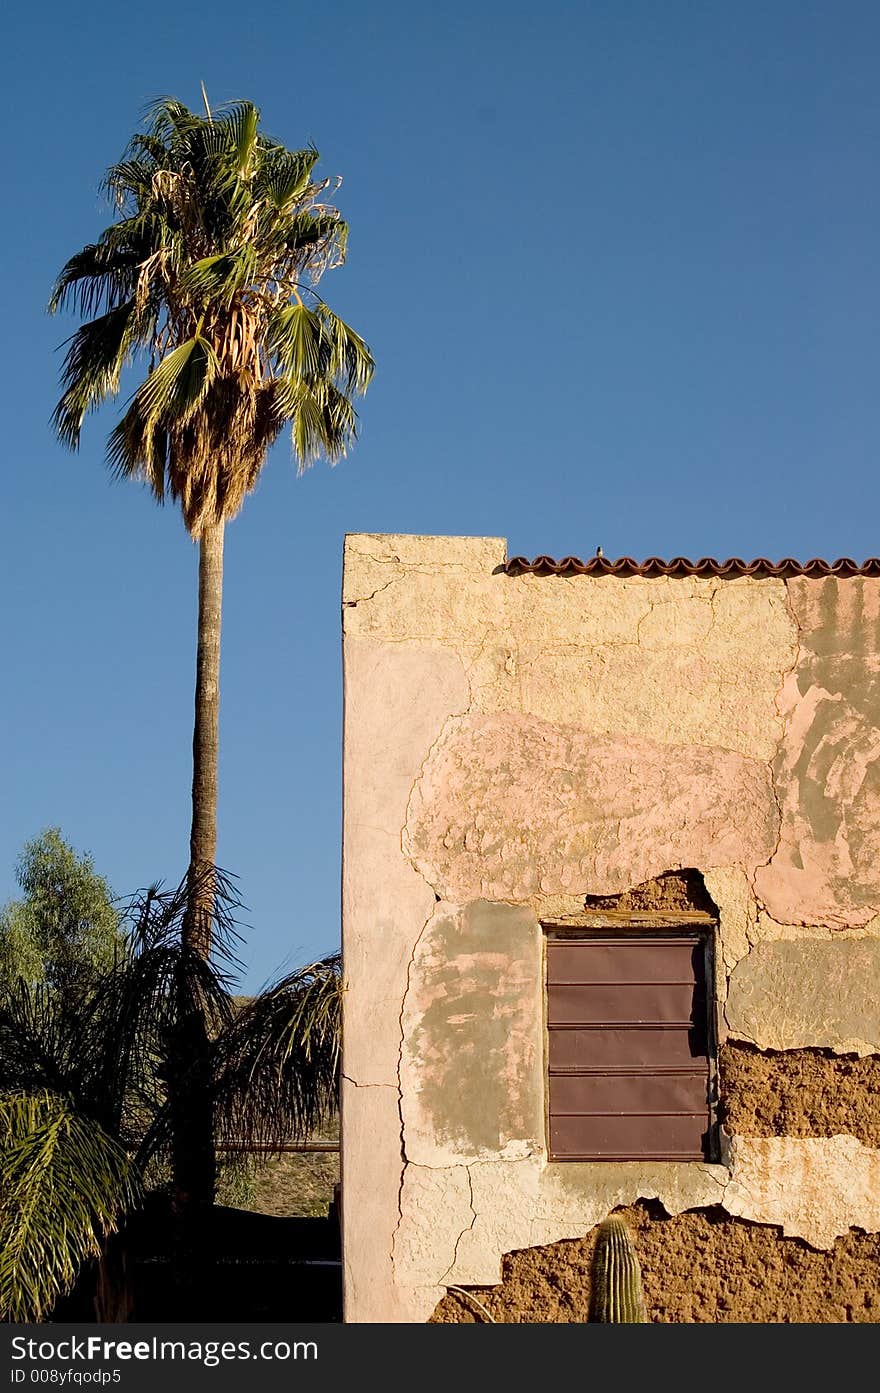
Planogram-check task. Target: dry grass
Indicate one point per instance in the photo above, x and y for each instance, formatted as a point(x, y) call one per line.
point(297, 1185)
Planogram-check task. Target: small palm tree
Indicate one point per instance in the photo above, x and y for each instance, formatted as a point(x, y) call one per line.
point(208, 278)
point(91, 1085)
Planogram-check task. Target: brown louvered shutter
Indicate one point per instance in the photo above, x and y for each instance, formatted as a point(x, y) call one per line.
point(628, 1048)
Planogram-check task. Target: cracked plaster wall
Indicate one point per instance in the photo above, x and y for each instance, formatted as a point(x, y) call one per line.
point(513, 744)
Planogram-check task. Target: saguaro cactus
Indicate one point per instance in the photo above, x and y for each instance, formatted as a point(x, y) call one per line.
point(617, 1279)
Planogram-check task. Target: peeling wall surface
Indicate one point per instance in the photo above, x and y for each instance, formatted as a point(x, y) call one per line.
point(701, 1266)
point(515, 744)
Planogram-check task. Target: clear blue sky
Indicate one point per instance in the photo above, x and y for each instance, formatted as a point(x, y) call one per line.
point(618, 265)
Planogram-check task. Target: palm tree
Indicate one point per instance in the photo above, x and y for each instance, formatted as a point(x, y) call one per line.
point(208, 277)
point(91, 1084)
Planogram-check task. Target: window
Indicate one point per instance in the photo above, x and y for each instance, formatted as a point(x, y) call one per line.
point(629, 1046)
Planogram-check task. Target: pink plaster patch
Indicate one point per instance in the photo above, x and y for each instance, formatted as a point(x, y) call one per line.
point(827, 868)
point(510, 806)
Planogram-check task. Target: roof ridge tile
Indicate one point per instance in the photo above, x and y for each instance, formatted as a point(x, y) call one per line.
point(734, 566)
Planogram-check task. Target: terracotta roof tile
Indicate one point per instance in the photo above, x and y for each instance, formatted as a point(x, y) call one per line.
point(680, 566)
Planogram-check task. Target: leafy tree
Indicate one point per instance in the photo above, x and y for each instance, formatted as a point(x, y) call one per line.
point(65, 929)
point(91, 1083)
point(208, 278)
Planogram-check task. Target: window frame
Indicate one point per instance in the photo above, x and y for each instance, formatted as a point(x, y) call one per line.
point(642, 927)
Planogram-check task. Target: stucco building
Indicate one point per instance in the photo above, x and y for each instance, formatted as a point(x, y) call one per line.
point(611, 931)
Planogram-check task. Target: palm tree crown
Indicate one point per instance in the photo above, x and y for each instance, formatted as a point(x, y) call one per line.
point(209, 275)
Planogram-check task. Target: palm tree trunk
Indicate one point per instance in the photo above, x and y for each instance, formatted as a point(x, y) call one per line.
point(193, 1155)
point(203, 834)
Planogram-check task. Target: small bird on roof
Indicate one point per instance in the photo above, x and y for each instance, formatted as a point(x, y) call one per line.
point(599, 551)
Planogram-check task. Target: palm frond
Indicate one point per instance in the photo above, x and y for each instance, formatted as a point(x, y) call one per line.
point(141, 1007)
point(169, 121)
point(207, 274)
point(323, 420)
point(308, 232)
point(64, 1185)
point(149, 147)
point(218, 278)
point(136, 451)
point(297, 337)
point(178, 384)
point(351, 362)
point(241, 121)
point(41, 1032)
point(276, 1065)
point(284, 174)
point(100, 277)
point(93, 365)
point(129, 182)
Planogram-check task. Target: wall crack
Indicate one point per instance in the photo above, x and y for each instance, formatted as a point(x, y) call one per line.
point(354, 1083)
point(403, 1161)
point(452, 1265)
point(362, 599)
point(771, 763)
